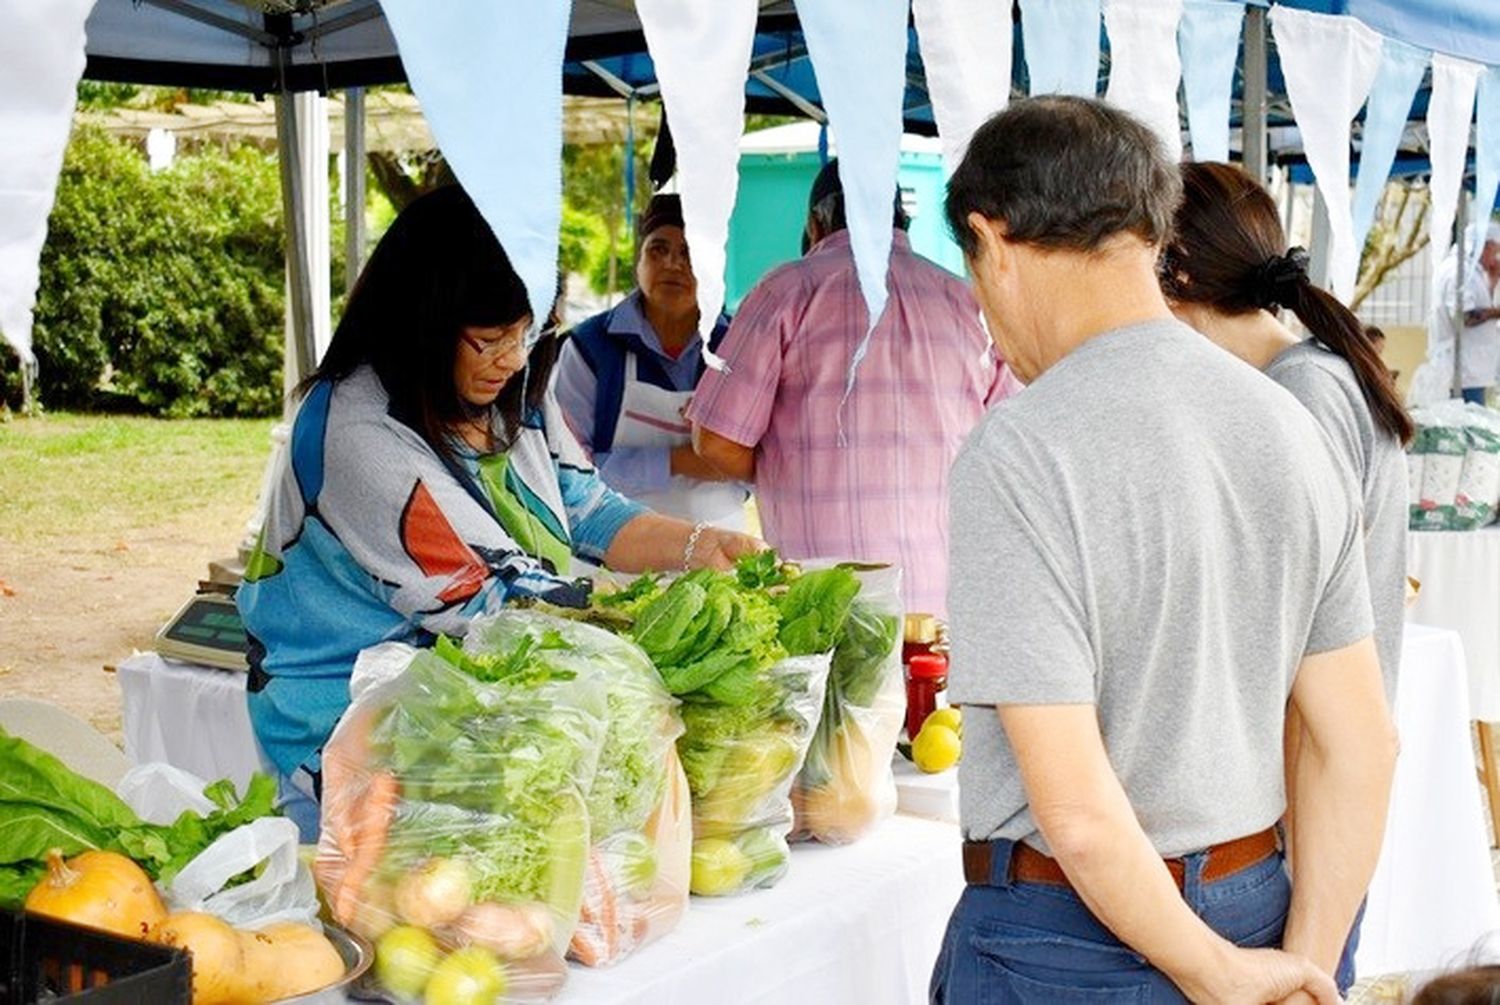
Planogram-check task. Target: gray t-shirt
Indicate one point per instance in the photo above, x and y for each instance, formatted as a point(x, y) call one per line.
point(1152, 527)
point(1325, 384)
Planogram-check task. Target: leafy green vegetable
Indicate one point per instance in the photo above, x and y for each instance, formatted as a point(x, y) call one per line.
point(45, 805)
point(815, 608)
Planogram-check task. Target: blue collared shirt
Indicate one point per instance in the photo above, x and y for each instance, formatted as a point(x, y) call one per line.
point(628, 470)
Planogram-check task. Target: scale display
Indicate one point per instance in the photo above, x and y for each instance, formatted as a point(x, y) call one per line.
point(207, 630)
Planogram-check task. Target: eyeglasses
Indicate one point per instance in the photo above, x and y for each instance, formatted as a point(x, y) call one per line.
point(493, 349)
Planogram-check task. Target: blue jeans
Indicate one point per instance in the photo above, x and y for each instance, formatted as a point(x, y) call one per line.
point(296, 799)
point(1013, 943)
point(1474, 395)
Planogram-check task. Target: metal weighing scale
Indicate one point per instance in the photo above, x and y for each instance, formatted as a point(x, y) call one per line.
point(207, 631)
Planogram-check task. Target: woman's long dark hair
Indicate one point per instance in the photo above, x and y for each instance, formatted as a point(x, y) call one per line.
point(438, 269)
point(1229, 252)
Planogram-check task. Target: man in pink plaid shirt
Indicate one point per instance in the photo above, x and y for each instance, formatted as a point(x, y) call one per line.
point(773, 417)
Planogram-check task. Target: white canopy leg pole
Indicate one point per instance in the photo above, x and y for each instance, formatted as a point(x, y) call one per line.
point(301, 356)
point(317, 193)
point(354, 184)
point(1461, 263)
point(1253, 105)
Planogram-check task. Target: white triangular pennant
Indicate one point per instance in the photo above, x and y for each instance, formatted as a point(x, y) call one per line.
point(1330, 62)
point(40, 66)
point(1450, 112)
point(1144, 67)
point(702, 57)
point(489, 77)
point(966, 47)
point(860, 63)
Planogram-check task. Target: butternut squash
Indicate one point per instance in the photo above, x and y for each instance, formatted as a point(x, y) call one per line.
point(98, 889)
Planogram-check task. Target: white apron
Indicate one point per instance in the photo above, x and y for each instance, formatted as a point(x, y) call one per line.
point(651, 416)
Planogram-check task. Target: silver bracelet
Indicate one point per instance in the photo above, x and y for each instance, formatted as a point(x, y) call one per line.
point(692, 543)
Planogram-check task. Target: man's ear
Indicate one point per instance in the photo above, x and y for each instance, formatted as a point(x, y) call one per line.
point(995, 249)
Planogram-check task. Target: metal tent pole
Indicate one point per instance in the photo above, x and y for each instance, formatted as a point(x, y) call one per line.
point(301, 356)
point(1461, 266)
point(1253, 140)
point(354, 184)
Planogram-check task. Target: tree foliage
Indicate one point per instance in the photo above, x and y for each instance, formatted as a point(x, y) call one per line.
point(162, 292)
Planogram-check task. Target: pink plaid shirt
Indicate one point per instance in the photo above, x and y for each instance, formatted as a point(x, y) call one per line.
point(930, 374)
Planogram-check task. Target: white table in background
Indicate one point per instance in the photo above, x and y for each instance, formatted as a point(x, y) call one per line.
point(190, 716)
point(1433, 894)
point(859, 925)
point(1460, 576)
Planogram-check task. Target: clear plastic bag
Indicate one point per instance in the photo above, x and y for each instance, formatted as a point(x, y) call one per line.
point(846, 786)
point(740, 762)
point(455, 821)
point(1454, 467)
point(640, 824)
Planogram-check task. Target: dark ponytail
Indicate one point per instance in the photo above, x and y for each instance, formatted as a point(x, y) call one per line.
point(1228, 252)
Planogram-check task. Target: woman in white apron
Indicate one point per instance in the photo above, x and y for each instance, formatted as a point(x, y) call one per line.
point(625, 378)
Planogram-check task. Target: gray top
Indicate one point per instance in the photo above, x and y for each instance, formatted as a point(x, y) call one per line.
point(1324, 382)
point(1152, 527)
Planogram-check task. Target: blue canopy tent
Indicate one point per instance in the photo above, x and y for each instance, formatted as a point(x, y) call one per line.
point(283, 46)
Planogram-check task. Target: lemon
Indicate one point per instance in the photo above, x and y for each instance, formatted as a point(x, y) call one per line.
point(950, 717)
point(936, 748)
point(719, 867)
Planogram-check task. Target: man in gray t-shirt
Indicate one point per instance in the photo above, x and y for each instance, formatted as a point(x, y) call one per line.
point(1153, 554)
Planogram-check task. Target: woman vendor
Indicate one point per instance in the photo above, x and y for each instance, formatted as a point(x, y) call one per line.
point(429, 478)
point(625, 376)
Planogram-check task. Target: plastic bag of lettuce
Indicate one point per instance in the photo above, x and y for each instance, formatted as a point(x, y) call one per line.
point(640, 826)
point(846, 786)
point(750, 662)
point(455, 826)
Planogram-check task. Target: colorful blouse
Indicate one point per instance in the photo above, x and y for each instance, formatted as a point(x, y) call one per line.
point(370, 536)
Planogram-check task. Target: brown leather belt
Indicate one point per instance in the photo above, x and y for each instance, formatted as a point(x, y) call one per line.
point(1027, 865)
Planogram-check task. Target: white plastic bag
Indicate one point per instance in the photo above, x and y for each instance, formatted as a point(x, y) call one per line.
point(284, 890)
point(160, 793)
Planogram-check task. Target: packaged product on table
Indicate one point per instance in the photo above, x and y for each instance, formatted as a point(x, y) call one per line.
point(640, 823)
point(749, 711)
point(846, 786)
point(455, 812)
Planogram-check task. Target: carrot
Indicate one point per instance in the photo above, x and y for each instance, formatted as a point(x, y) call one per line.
point(599, 919)
point(368, 832)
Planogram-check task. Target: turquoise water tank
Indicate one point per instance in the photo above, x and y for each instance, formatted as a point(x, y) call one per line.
point(777, 168)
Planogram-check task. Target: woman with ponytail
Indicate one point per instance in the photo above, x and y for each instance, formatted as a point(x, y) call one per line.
point(1228, 273)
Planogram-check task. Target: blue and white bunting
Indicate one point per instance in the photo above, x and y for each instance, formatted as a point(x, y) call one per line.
point(1208, 41)
point(702, 57)
point(1401, 70)
point(489, 77)
point(966, 50)
point(1061, 38)
point(860, 63)
point(1144, 69)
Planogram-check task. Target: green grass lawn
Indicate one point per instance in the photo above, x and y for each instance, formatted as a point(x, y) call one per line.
point(62, 474)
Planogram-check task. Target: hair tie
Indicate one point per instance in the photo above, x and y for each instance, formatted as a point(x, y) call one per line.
point(1280, 278)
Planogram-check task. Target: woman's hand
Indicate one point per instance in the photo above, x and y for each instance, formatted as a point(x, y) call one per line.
point(719, 549)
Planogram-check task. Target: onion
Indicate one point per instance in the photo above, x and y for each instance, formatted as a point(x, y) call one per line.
point(434, 893)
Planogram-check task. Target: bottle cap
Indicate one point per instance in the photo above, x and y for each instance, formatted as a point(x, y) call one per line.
point(928, 667)
point(921, 628)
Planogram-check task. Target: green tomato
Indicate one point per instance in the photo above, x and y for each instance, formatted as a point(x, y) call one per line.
point(719, 867)
point(404, 959)
point(470, 976)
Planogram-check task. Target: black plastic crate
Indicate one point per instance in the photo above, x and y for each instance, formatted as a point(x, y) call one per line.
point(47, 960)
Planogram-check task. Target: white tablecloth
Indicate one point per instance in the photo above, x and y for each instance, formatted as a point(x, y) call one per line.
point(190, 716)
point(858, 925)
point(1433, 894)
point(1460, 576)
